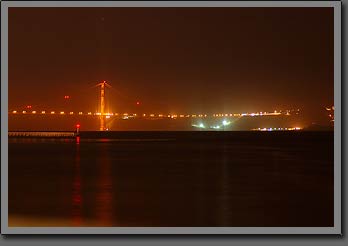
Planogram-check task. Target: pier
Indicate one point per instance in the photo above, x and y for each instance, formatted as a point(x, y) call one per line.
point(41, 134)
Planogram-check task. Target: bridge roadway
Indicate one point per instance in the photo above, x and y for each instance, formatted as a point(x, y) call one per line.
point(151, 115)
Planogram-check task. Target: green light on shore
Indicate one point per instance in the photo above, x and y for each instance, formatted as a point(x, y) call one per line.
point(225, 122)
point(201, 125)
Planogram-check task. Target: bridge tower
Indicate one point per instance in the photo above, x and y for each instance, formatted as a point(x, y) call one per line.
point(102, 104)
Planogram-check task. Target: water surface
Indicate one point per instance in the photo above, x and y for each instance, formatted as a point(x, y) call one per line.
point(173, 179)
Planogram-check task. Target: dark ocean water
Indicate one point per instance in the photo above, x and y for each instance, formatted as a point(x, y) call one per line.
point(173, 179)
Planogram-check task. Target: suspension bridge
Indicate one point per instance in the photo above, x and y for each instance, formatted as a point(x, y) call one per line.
point(104, 116)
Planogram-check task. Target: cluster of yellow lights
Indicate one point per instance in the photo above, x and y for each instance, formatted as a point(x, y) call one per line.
point(278, 129)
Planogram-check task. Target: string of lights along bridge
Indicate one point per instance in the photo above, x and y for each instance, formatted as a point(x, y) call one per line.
point(103, 115)
point(132, 115)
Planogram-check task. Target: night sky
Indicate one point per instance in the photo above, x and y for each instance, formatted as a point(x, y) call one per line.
point(172, 60)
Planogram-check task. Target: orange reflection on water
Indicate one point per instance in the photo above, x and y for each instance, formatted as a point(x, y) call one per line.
point(104, 140)
point(104, 209)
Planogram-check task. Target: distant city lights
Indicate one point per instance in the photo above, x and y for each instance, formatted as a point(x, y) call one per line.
point(331, 111)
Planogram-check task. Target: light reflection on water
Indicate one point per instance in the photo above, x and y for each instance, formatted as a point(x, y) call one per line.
point(104, 208)
point(167, 183)
point(77, 201)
